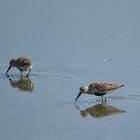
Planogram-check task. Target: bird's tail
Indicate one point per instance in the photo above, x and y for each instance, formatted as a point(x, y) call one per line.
point(114, 86)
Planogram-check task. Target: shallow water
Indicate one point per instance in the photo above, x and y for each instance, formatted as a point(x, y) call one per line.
point(71, 43)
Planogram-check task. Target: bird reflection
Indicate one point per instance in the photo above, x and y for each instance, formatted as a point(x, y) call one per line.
point(24, 83)
point(100, 111)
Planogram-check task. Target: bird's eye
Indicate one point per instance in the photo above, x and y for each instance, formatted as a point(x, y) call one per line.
point(82, 89)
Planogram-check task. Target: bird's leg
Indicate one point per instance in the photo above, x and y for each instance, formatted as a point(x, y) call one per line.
point(28, 72)
point(103, 99)
point(21, 72)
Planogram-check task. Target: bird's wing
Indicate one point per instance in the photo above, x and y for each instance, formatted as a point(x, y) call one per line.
point(23, 61)
point(104, 87)
point(99, 87)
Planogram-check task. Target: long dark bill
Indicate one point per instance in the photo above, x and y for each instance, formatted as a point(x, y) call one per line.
point(8, 70)
point(77, 97)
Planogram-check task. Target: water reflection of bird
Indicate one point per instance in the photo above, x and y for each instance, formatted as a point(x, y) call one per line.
point(24, 83)
point(21, 63)
point(100, 111)
point(98, 89)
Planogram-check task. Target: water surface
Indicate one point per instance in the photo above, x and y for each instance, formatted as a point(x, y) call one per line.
point(71, 43)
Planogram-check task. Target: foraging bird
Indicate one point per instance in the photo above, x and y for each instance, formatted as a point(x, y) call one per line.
point(98, 89)
point(21, 63)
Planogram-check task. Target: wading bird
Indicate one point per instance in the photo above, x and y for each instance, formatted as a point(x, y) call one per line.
point(98, 89)
point(21, 63)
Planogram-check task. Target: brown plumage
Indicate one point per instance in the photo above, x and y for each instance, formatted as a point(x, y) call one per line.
point(98, 89)
point(104, 87)
point(21, 63)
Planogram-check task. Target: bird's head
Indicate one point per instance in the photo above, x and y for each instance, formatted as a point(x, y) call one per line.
point(12, 62)
point(83, 89)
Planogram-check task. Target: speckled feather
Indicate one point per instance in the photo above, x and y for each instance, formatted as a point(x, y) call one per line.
point(23, 61)
point(104, 87)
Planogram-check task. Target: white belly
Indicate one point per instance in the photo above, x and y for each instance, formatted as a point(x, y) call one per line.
point(25, 68)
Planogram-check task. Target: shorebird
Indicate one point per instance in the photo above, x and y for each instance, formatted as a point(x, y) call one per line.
point(21, 63)
point(98, 89)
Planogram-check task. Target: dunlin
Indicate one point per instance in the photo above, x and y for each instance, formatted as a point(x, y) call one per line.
point(21, 63)
point(98, 89)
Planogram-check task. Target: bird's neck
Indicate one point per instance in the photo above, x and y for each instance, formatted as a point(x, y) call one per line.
point(90, 91)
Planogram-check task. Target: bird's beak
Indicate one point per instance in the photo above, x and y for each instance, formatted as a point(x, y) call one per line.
point(8, 70)
point(77, 97)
